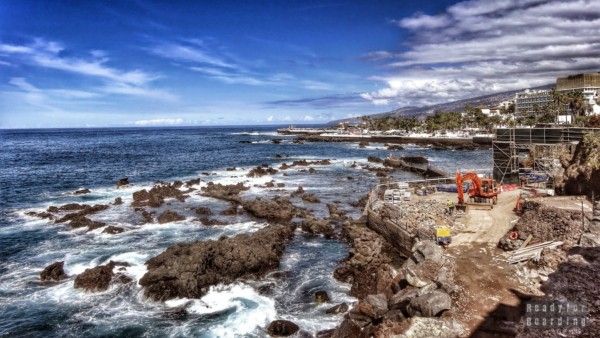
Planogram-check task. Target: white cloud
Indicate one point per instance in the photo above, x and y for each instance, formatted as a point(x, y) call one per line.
point(48, 54)
point(189, 53)
point(479, 47)
point(159, 122)
point(270, 118)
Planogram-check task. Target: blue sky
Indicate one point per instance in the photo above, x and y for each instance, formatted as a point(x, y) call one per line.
point(129, 63)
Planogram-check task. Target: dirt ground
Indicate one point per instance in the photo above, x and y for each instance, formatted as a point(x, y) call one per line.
point(486, 279)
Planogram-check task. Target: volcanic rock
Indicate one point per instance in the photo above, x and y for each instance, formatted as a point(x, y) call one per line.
point(122, 182)
point(210, 221)
point(53, 272)
point(188, 269)
point(261, 171)
point(82, 221)
point(118, 201)
point(276, 209)
point(169, 216)
point(113, 230)
point(317, 226)
point(336, 309)
point(192, 182)
point(224, 192)
point(203, 211)
point(282, 328)
point(96, 279)
point(82, 191)
point(311, 198)
point(321, 296)
point(156, 196)
point(43, 214)
point(374, 159)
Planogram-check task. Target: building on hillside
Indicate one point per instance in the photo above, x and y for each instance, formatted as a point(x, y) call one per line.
point(505, 104)
point(490, 111)
point(588, 84)
point(531, 101)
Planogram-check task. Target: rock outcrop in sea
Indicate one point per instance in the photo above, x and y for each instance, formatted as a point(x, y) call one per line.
point(188, 270)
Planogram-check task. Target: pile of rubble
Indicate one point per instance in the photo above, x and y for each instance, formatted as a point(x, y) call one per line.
point(544, 223)
point(421, 290)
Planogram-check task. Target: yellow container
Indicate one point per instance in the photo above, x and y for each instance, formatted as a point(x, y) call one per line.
point(442, 232)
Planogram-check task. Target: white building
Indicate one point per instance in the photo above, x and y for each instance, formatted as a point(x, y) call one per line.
point(530, 101)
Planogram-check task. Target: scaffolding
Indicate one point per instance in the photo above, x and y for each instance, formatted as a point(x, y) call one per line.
point(534, 149)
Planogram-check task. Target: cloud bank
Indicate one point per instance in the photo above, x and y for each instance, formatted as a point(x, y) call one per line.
point(480, 47)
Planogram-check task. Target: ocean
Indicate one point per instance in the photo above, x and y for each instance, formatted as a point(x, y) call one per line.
point(40, 168)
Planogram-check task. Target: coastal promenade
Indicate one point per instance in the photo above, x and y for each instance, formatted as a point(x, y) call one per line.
point(325, 135)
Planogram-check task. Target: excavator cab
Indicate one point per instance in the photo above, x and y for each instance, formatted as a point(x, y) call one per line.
point(482, 191)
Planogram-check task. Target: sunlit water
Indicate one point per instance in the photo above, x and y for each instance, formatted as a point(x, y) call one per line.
point(43, 167)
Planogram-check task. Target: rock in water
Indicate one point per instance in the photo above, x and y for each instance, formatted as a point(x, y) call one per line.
point(321, 296)
point(277, 209)
point(112, 230)
point(282, 328)
point(122, 182)
point(169, 216)
point(187, 270)
point(100, 277)
point(340, 308)
point(53, 272)
point(95, 279)
point(82, 191)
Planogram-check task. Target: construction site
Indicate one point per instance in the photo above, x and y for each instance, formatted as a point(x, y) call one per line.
point(480, 253)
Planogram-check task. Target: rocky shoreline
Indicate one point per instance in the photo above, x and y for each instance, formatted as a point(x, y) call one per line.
point(402, 280)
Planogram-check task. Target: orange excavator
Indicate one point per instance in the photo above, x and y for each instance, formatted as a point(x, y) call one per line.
point(481, 190)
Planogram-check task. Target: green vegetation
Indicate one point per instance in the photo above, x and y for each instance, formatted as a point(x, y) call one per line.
point(440, 121)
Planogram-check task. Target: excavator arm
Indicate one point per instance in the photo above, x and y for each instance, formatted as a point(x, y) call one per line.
point(473, 189)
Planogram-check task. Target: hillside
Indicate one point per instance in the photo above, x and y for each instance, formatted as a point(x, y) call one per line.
point(483, 101)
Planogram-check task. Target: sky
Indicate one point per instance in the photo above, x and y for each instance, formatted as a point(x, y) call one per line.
point(171, 63)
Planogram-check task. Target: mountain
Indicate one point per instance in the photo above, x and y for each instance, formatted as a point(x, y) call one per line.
point(490, 100)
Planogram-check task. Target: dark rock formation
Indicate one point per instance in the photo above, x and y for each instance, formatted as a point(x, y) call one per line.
point(113, 230)
point(317, 226)
point(282, 328)
point(146, 215)
point(276, 209)
point(98, 278)
point(311, 198)
point(169, 216)
point(203, 211)
point(224, 192)
point(43, 214)
point(374, 159)
point(53, 272)
point(122, 182)
point(321, 296)
point(337, 309)
point(118, 201)
point(261, 171)
point(192, 182)
point(78, 219)
point(210, 221)
point(82, 191)
point(187, 270)
point(156, 196)
point(582, 171)
point(231, 211)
